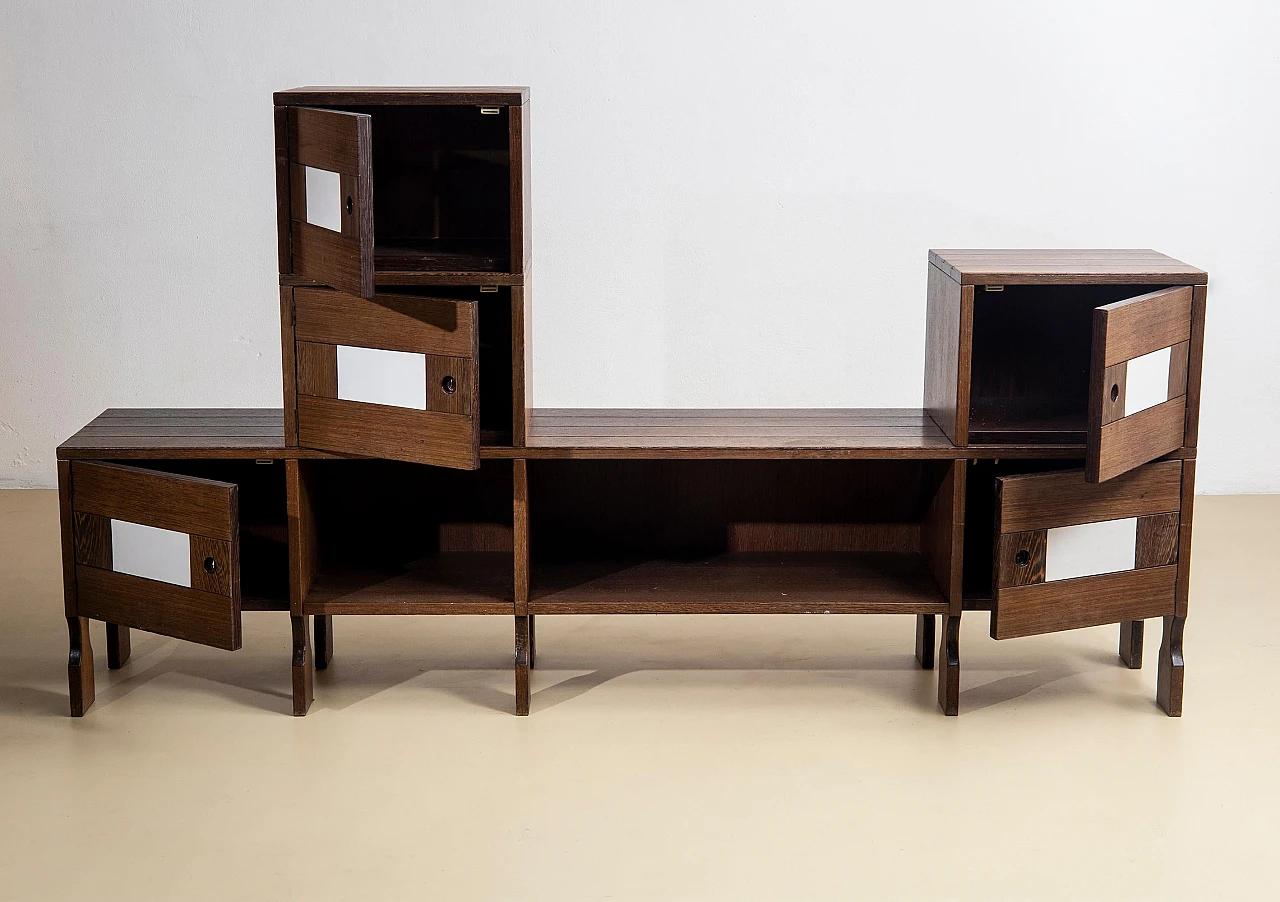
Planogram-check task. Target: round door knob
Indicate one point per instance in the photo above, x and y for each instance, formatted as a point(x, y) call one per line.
point(449, 384)
point(210, 565)
point(1115, 393)
point(1023, 558)
point(350, 206)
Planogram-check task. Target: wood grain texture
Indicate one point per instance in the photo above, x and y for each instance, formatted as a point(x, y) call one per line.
point(343, 143)
point(288, 363)
point(176, 433)
point(1178, 357)
point(1087, 601)
point(1063, 498)
point(175, 611)
point(93, 540)
point(521, 208)
point(1020, 559)
point(1171, 675)
point(947, 353)
point(1131, 634)
point(478, 582)
point(765, 583)
point(1184, 537)
point(1064, 266)
point(80, 666)
point(1132, 441)
point(396, 433)
point(1195, 364)
point(187, 504)
point(1112, 392)
point(304, 550)
point(1157, 541)
point(942, 535)
point(211, 566)
point(521, 365)
point(522, 545)
point(302, 667)
point(392, 322)
point(458, 373)
point(753, 537)
point(317, 368)
point(1140, 325)
point(283, 189)
point(522, 666)
point(80, 684)
point(374, 96)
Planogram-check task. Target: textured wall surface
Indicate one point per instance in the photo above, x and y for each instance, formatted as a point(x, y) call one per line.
point(732, 200)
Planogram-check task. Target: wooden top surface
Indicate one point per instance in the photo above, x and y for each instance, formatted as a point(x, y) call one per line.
point(870, 433)
point(1050, 267)
point(370, 96)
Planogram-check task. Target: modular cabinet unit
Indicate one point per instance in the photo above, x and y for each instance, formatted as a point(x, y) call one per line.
point(1047, 480)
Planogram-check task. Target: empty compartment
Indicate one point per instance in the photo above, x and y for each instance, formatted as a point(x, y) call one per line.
point(1031, 357)
point(384, 537)
point(736, 536)
point(264, 533)
point(441, 188)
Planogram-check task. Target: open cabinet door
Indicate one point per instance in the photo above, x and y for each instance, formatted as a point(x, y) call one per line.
point(1138, 381)
point(395, 377)
point(331, 198)
point(158, 552)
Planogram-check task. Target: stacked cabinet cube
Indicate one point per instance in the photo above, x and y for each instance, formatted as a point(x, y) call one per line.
point(1047, 479)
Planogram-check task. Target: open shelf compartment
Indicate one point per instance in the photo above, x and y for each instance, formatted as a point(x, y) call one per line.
point(736, 536)
point(383, 537)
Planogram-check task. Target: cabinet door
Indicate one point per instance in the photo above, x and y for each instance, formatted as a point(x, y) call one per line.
point(331, 198)
point(157, 552)
point(1138, 381)
point(393, 377)
point(1070, 554)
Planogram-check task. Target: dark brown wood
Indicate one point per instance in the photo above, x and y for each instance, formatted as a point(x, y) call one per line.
point(324, 640)
point(80, 685)
point(949, 665)
point(317, 367)
point(1122, 331)
point(288, 362)
point(942, 536)
point(118, 645)
point(396, 433)
point(1131, 643)
point(304, 552)
point(451, 382)
point(521, 365)
point(1169, 680)
point(521, 210)
point(1087, 601)
point(181, 613)
point(338, 142)
point(522, 665)
point(1184, 538)
point(80, 666)
point(367, 96)
point(1063, 498)
point(171, 434)
point(1020, 559)
point(211, 565)
point(93, 540)
point(302, 667)
point(533, 645)
point(1157, 543)
point(925, 625)
point(1070, 267)
point(166, 500)
point(478, 582)
point(948, 345)
point(765, 583)
point(520, 521)
point(392, 322)
point(283, 190)
point(1195, 363)
point(1178, 358)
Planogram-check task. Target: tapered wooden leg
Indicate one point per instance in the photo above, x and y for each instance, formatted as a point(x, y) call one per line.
point(1169, 680)
point(1131, 643)
point(80, 666)
point(522, 665)
point(949, 665)
point(324, 640)
point(118, 646)
point(533, 646)
point(924, 640)
point(303, 687)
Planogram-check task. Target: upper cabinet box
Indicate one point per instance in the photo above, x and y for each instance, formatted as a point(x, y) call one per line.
point(1066, 347)
point(402, 186)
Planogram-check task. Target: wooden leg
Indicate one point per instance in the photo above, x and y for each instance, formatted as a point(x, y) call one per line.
point(80, 666)
point(324, 640)
point(118, 646)
point(522, 665)
point(533, 646)
point(949, 669)
point(1131, 643)
point(303, 688)
point(1169, 680)
point(924, 640)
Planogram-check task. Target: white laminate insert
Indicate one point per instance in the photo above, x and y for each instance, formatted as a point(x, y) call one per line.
point(151, 552)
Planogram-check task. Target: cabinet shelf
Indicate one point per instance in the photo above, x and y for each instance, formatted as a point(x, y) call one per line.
point(406, 256)
point(741, 583)
point(474, 582)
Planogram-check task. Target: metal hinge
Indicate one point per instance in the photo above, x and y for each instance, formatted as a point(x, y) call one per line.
point(488, 289)
point(490, 110)
point(993, 288)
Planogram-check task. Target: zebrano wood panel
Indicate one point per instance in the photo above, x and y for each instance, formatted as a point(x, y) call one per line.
point(1063, 498)
point(165, 500)
point(388, 321)
point(205, 617)
point(1087, 601)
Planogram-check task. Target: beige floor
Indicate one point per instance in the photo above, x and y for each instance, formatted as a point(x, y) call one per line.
point(677, 758)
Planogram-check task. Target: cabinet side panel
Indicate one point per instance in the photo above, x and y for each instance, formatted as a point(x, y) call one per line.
point(283, 189)
point(1195, 359)
point(947, 346)
point(1184, 538)
point(518, 157)
point(521, 365)
point(288, 367)
point(942, 534)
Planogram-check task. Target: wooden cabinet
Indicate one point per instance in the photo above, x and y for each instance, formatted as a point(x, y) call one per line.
point(1048, 477)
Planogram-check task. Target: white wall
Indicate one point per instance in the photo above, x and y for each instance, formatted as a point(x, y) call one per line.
point(732, 200)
